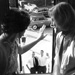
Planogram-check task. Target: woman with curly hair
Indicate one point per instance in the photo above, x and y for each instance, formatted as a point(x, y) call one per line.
point(13, 26)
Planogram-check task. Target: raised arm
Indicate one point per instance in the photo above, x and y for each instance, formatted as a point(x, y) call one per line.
point(29, 46)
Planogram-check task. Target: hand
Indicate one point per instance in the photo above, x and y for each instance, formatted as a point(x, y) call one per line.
point(42, 28)
point(41, 33)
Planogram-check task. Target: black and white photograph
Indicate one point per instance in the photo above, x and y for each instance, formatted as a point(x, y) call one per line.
point(37, 37)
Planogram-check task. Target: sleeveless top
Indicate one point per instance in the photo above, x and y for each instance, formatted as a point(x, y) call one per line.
point(68, 57)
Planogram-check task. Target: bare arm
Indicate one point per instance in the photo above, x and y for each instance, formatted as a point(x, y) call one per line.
point(29, 46)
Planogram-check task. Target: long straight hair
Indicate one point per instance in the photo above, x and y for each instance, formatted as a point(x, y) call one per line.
point(64, 16)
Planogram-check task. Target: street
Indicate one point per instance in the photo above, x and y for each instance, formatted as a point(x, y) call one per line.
point(45, 45)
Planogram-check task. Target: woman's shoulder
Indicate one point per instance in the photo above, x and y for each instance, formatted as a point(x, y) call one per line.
point(2, 40)
point(4, 45)
point(2, 37)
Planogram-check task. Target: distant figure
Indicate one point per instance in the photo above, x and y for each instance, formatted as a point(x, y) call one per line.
point(42, 62)
point(33, 64)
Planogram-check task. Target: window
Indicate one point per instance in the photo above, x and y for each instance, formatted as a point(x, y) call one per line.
point(45, 45)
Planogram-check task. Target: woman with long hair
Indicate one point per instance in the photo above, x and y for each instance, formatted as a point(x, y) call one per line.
point(63, 17)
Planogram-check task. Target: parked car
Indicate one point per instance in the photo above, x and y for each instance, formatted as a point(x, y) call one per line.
point(38, 20)
point(43, 10)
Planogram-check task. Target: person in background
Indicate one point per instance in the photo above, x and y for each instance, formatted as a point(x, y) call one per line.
point(13, 26)
point(33, 64)
point(48, 64)
point(42, 62)
point(63, 17)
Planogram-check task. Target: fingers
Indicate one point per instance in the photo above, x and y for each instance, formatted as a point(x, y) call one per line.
point(41, 32)
point(42, 29)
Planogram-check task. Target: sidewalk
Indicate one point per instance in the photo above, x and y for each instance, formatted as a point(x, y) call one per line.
point(35, 34)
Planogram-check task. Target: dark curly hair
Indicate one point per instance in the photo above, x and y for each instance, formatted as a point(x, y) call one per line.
point(15, 21)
